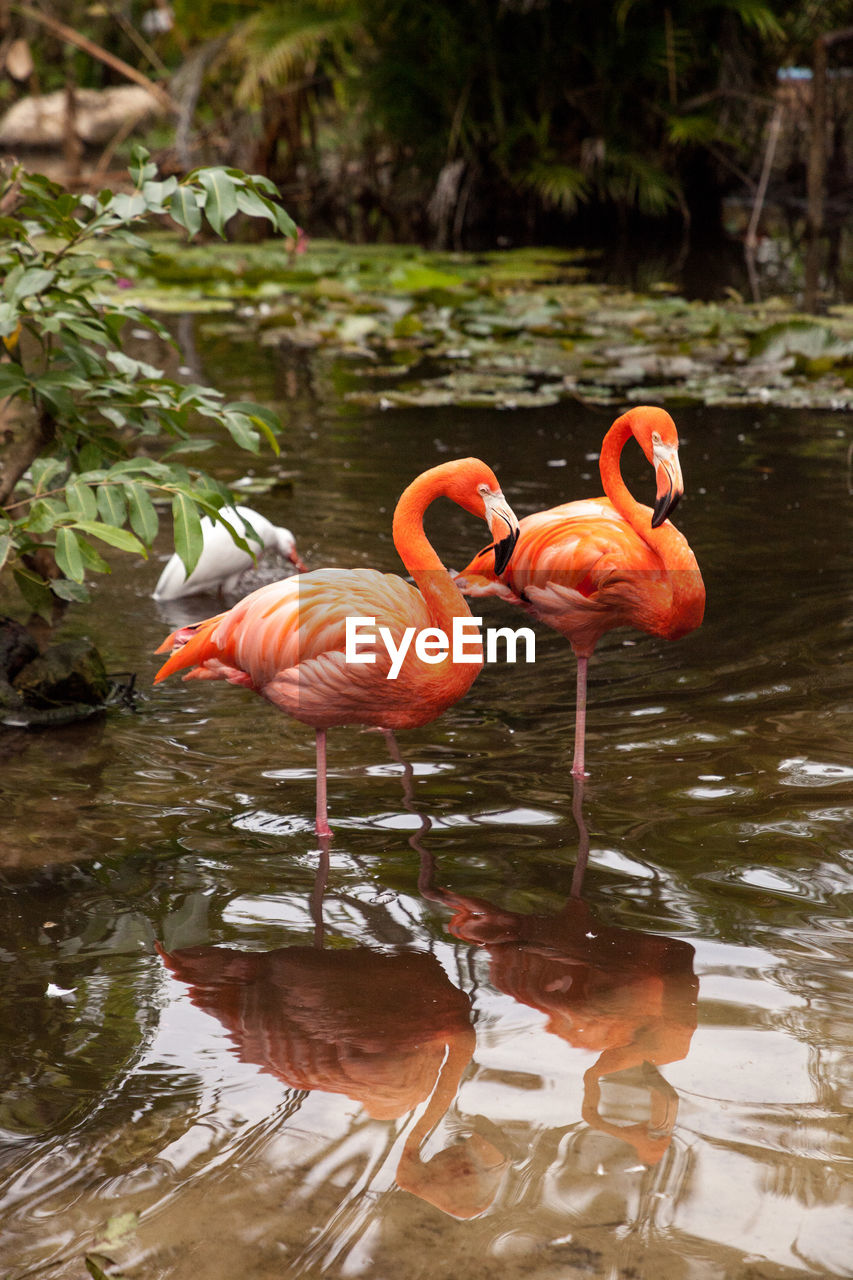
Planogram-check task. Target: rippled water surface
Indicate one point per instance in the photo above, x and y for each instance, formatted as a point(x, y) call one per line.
point(442, 1053)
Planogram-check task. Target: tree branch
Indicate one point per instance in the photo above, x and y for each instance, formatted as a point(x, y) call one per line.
point(22, 440)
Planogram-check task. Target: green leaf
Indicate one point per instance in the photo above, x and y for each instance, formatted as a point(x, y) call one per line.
point(143, 514)
point(127, 207)
point(265, 420)
point(10, 283)
point(33, 281)
point(134, 368)
point(144, 467)
point(35, 591)
point(9, 319)
point(186, 210)
point(285, 223)
point(36, 184)
point(92, 559)
point(142, 168)
point(12, 378)
point(68, 555)
point(112, 504)
point(221, 202)
point(73, 592)
point(187, 529)
point(55, 389)
point(145, 321)
point(82, 502)
point(5, 547)
point(258, 181)
point(90, 457)
point(559, 185)
point(255, 205)
point(157, 193)
point(241, 430)
point(238, 535)
point(44, 471)
point(198, 444)
point(44, 515)
point(81, 326)
point(11, 229)
point(121, 538)
point(192, 393)
point(116, 417)
point(698, 129)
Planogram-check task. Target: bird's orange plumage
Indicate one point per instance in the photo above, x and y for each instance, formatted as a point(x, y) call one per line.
point(587, 567)
point(287, 641)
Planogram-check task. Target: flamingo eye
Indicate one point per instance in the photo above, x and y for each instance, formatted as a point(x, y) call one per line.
point(483, 490)
point(656, 437)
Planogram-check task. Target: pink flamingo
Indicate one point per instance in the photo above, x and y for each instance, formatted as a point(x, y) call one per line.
point(287, 641)
point(587, 567)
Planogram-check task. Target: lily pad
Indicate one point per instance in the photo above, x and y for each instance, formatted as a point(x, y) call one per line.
point(807, 338)
point(400, 309)
point(416, 278)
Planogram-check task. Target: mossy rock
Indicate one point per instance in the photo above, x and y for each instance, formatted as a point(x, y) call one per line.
point(69, 672)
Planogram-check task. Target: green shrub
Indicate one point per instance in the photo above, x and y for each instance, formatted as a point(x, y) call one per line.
point(78, 414)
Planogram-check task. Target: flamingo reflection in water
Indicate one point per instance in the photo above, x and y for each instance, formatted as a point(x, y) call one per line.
point(628, 996)
point(389, 1031)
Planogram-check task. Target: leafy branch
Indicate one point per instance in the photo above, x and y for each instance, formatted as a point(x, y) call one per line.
point(77, 412)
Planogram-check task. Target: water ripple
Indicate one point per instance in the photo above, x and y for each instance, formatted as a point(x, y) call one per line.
point(800, 772)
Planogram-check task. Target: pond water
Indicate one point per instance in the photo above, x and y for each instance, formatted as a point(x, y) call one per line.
point(441, 1051)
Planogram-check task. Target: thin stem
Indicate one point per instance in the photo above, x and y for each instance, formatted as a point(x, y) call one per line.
point(101, 484)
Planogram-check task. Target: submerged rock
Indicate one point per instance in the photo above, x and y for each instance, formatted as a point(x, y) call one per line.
point(71, 671)
point(65, 683)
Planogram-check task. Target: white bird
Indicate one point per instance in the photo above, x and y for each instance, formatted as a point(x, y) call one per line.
point(222, 563)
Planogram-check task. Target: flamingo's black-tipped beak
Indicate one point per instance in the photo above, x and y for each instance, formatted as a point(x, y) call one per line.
point(504, 550)
point(670, 485)
point(664, 507)
point(503, 525)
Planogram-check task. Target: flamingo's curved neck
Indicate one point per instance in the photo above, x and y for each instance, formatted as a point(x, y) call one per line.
point(672, 548)
point(638, 516)
point(444, 599)
point(665, 540)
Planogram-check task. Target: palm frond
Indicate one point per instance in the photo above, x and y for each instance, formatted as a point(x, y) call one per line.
point(281, 45)
point(692, 129)
point(758, 15)
point(561, 186)
point(631, 180)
